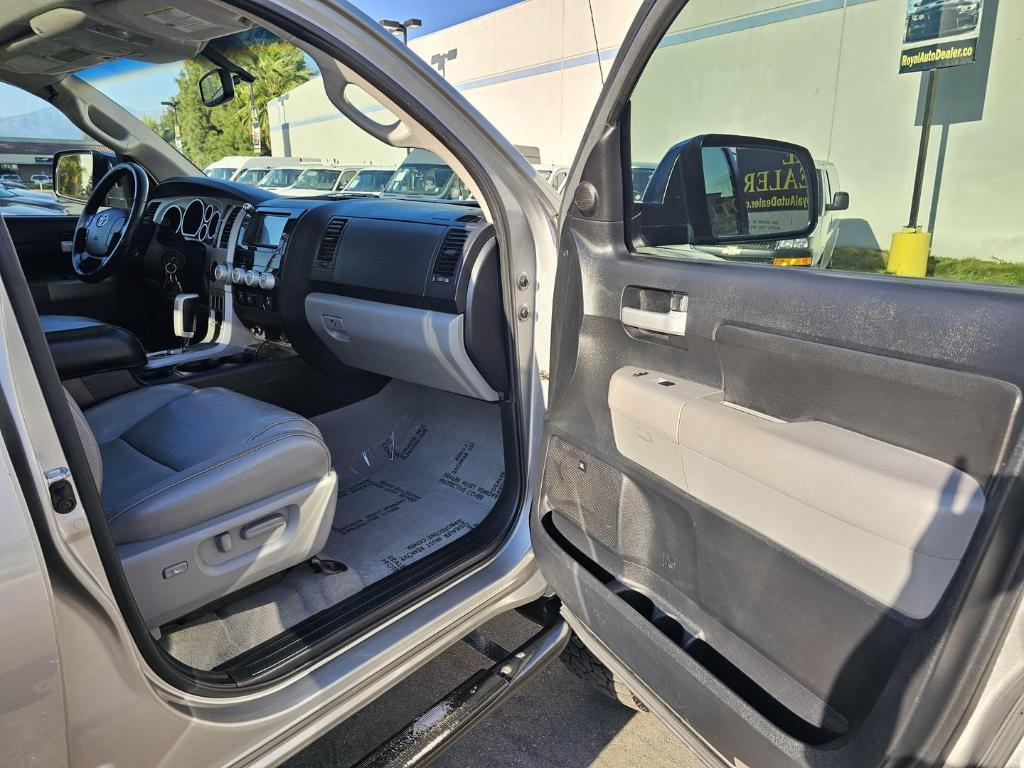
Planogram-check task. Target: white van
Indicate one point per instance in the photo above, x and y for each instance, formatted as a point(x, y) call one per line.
point(232, 168)
point(321, 180)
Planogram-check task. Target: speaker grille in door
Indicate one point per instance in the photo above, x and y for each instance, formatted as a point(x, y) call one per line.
point(583, 489)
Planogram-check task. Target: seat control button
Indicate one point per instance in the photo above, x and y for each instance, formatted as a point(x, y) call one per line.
point(175, 570)
point(223, 542)
point(262, 527)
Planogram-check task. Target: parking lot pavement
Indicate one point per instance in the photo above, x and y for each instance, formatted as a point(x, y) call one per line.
point(556, 720)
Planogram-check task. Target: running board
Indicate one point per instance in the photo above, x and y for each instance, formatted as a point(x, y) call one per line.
point(428, 736)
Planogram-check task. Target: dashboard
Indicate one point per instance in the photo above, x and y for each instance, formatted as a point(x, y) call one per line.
point(405, 289)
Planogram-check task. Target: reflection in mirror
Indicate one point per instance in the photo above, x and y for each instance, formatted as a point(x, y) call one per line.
point(755, 191)
point(74, 176)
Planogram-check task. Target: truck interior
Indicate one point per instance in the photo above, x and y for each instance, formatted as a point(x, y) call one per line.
point(298, 413)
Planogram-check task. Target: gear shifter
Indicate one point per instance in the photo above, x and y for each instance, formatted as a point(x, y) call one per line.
point(185, 305)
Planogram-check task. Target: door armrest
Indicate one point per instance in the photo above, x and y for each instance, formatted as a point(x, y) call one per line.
point(81, 346)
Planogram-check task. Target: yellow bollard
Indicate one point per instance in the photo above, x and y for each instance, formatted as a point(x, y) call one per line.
point(908, 254)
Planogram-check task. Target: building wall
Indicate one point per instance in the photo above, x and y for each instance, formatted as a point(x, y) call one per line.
point(539, 53)
point(822, 73)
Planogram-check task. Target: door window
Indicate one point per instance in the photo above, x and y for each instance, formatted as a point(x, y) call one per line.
point(33, 131)
point(830, 81)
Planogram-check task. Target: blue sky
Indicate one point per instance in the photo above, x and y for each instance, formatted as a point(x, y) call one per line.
point(141, 87)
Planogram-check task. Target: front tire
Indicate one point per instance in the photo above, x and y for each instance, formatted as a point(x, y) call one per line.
point(582, 663)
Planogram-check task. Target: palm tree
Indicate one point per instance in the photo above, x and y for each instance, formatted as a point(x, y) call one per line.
point(278, 67)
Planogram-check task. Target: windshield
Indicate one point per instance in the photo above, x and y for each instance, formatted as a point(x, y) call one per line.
point(318, 179)
point(284, 113)
point(419, 179)
point(165, 97)
point(251, 176)
point(223, 174)
point(368, 181)
point(280, 177)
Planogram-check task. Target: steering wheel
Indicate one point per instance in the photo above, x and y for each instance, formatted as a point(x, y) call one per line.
point(102, 237)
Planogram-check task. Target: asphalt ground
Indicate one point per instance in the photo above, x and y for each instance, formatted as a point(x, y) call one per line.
point(556, 720)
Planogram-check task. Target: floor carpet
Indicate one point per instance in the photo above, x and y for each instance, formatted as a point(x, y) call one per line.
point(418, 468)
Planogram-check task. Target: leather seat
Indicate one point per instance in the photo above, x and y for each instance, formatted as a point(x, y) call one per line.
point(231, 487)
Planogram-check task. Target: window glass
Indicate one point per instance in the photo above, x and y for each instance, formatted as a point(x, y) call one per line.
point(317, 179)
point(419, 179)
point(368, 181)
point(280, 177)
point(830, 80)
point(459, 190)
point(251, 176)
point(32, 131)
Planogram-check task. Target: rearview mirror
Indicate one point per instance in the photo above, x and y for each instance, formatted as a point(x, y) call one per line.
point(76, 171)
point(216, 87)
point(716, 189)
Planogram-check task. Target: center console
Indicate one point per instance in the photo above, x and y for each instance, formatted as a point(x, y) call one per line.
point(255, 271)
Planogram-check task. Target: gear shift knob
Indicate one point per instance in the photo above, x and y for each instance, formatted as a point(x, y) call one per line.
point(185, 306)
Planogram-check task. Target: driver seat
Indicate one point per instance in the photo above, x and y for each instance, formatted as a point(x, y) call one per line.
point(205, 491)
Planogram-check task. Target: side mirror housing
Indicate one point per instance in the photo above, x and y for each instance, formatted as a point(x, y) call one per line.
point(717, 189)
point(216, 87)
point(75, 172)
point(840, 202)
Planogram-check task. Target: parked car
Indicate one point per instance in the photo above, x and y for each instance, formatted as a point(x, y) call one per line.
point(281, 178)
point(367, 182)
point(555, 175)
point(641, 176)
point(28, 202)
point(12, 180)
point(814, 250)
point(930, 19)
point(425, 176)
point(41, 179)
point(318, 181)
point(230, 168)
point(296, 449)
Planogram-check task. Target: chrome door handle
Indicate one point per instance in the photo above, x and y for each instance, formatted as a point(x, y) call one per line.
point(65, 246)
point(672, 323)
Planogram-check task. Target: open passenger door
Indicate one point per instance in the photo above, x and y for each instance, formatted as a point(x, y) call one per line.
point(783, 504)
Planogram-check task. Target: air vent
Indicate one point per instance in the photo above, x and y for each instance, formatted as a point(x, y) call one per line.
point(151, 209)
point(471, 218)
point(329, 243)
point(225, 228)
point(449, 255)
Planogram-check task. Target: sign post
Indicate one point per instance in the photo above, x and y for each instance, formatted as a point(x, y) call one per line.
point(254, 122)
point(938, 34)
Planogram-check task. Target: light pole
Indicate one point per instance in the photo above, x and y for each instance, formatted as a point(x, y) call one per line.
point(177, 129)
point(402, 26)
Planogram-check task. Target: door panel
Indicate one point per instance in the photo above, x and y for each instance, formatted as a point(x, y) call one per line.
point(775, 526)
point(40, 242)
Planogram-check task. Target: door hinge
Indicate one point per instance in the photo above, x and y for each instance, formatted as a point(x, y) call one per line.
point(62, 494)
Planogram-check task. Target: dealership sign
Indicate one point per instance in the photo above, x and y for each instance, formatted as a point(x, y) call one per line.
point(940, 33)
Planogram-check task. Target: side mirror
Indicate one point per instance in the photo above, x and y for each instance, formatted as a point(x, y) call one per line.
point(840, 202)
point(719, 189)
point(216, 87)
point(76, 171)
